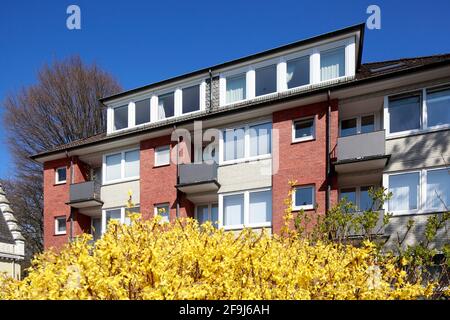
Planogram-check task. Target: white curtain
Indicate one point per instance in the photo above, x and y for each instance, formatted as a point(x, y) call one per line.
point(234, 142)
point(438, 189)
point(260, 139)
point(132, 163)
point(235, 89)
point(260, 206)
point(161, 110)
point(113, 164)
point(233, 210)
point(405, 191)
point(332, 64)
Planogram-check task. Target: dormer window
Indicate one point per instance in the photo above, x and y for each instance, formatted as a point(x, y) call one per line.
point(332, 64)
point(236, 88)
point(142, 111)
point(266, 80)
point(166, 106)
point(121, 117)
point(191, 99)
point(297, 72)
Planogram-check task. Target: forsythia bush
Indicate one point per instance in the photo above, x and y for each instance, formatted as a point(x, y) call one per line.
point(152, 260)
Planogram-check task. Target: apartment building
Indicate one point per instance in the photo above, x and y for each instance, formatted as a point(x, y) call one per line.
point(222, 143)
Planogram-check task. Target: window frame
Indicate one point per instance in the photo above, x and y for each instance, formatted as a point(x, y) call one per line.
point(424, 128)
point(57, 181)
point(304, 207)
point(122, 215)
point(210, 205)
point(156, 149)
point(57, 222)
point(422, 198)
point(359, 123)
point(149, 98)
point(308, 138)
point(357, 193)
point(246, 208)
point(122, 167)
point(247, 156)
point(156, 206)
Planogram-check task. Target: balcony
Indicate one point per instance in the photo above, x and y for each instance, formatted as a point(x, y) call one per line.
point(197, 178)
point(361, 152)
point(85, 194)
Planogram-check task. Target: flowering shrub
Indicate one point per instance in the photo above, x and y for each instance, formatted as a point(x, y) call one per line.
point(182, 260)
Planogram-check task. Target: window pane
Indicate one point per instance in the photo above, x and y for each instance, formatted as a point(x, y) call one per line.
point(260, 206)
point(304, 129)
point(191, 99)
point(266, 80)
point(113, 166)
point(132, 163)
point(61, 174)
point(234, 141)
point(332, 64)
point(120, 117)
point(61, 224)
point(298, 72)
point(349, 194)
point(142, 111)
point(438, 107)
point(214, 214)
point(405, 190)
point(260, 139)
point(365, 201)
point(304, 196)
point(438, 189)
point(348, 127)
point(96, 228)
point(235, 88)
point(202, 214)
point(162, 155)
point(129, 211)
point(404, 114)
point(367, 124)
point(114, 214)
point(163, 211)
point(233, 210)
point(166, 106)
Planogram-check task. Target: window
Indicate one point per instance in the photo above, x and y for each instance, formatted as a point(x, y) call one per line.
point(132, 163)
point(358, 196)
point(247, 141)
point(60, 225)
point(114, 214)
point(332, 64)
point(120, 117)
point(357, 125)
point(163, 210)
point(438, 107)
point(297, 72)
point(349, 194)
point(404, 113)
point(266, 80)
point(166, 106)
point(129, 211)
point(207, 212)
point(60, 175)
point(303, 198)
point(365, 200)
point(303, 130)
point(162, 156)
point(260, 139)
point(142, 111)
point(236, 88)
point(405, 190)
point(438, 189)
point(96, 228)
point(260, 207)
point(120, 215)
point(122, 165)
point(191, 99)
point(247, 208)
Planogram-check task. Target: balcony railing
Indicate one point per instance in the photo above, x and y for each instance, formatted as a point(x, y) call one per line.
point(85, 191)
point(196, 173)
point(361, 146)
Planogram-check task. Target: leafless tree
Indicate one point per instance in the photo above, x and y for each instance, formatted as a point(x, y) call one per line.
point(61, 107)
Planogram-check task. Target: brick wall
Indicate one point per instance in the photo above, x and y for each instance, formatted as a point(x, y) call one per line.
point(302, 161)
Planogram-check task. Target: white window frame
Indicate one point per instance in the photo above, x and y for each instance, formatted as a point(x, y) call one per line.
point(423, 116)
point(422, 201)
point(281, 67)
point(57, 222)
point(247, 156)
point(246, 223)
point(209, 204)
point(359, 122)
point(157, 149)
point(303, 139)
point(133, 104)
point(122, 215)
point(159, 205)
point(357, 193)
point(304, 207)
point(122, 167)
point(57, 181)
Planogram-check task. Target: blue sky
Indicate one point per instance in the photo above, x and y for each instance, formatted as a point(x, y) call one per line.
point(141, 42)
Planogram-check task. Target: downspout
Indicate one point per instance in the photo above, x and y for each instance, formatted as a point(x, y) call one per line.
point(177, 200)
point(72, 181)
point(327, 153)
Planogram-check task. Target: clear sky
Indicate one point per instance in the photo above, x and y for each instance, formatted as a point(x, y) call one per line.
point(141, 42)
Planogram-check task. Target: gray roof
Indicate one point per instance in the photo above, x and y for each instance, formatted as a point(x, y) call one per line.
point(5, 233)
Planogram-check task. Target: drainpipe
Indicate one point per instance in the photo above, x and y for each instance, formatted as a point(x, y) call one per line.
point(178, 176)
point(327, 151)
point(72, 181)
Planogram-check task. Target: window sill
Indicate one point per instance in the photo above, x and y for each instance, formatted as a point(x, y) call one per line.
point(415, 212)
point(161, 165)
point(416, 132)
point(244, 160)
point(120, 181)
point(295, 141)
point(250, 226)
point(60, 183)
point(60, 234)
point(304, 208)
